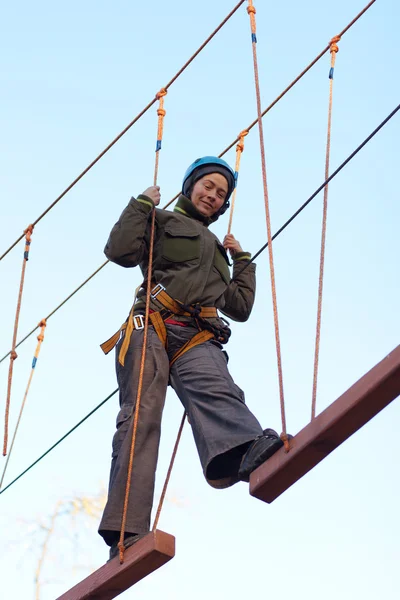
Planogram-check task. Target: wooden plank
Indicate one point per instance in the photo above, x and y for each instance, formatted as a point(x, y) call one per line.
point(141, 559)
point(365, 399)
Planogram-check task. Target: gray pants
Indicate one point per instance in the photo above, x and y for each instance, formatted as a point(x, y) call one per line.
point(222, 425)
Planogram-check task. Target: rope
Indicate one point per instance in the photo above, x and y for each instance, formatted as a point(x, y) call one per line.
point(171, 464)
point(239, 150)
point(252, 13)
point(40, 338)
point(321, 187)
point(13, 355)
point(343, 164)
point(290, 86)
point(139, 394)
point(58, 307)
point(119, 136)
point(161, 114)
point(220, 155)
point(59, 441)
point(293, 83)
point(334, 51)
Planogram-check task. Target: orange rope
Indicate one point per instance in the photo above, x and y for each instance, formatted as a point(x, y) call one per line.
point(334, 49)
point(281, 95)
point(239, 150)
point(161, 114)
point(139, 393)
point(252, 11)
point(291, 85)
point(13, 355)
point(171, 464)
point(119, 136)
point(40, 338)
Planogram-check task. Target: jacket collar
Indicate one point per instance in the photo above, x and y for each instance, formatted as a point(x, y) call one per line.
point(185, 207)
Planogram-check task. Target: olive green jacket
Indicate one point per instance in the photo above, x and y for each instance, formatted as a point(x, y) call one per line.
point(188, 260)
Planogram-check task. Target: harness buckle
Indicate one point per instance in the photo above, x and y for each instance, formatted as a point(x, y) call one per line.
point(156, 290)
point(138, 321)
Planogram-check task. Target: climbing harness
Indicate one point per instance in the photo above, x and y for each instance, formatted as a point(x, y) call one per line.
point(169, 308)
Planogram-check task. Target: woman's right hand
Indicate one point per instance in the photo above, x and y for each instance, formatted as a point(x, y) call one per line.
point(153, 193)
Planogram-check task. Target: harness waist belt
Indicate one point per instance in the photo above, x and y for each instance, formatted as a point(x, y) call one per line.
point(170, 307)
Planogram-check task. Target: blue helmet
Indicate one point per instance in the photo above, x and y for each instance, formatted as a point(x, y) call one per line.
point(204, 166)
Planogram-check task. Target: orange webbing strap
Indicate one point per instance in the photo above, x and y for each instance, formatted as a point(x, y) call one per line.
point(199, 338)
point(159, 326)
point(252, 12)
point(129, 325)
point(334, 50)
point(13, 354)
point(175, 307)
point(40, 339)
point(167, 302)
point(208, 312)
point(108, 345)
point(239, 150)
point(127, 338)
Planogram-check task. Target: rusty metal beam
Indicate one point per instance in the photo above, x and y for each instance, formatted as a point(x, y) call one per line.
point(147, 555)
point(365, 399)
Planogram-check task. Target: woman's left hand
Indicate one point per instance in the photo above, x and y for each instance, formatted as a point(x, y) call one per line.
point(231, 244)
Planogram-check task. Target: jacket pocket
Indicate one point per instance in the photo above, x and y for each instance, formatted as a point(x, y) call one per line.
point(180, 243)
point(123, 421)
point(221, 262)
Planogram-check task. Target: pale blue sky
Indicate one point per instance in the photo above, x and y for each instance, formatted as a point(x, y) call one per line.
point(73, 76)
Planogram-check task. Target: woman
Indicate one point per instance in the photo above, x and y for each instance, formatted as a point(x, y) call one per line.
point(190, 280)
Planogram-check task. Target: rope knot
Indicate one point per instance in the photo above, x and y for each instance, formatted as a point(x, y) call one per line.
point(251, 9)
point(13, 355)
point(333, 44)
point(161, 112)
point(240, 145)
point(121, 549)
point(43, 323)
point(285, 439)
point(163, 92)
point(28, 232)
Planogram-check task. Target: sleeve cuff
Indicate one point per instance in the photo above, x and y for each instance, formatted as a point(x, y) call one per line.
point(242, 256)
point(146, 201)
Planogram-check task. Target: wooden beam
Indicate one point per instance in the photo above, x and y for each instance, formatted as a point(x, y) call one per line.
point(141, 559)
point(365, 399)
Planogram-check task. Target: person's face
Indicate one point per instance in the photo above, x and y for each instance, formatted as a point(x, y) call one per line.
point(209, 193)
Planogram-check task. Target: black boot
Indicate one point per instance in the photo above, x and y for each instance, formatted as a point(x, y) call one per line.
point(260, 450)
point(129, 540)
